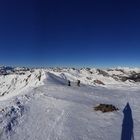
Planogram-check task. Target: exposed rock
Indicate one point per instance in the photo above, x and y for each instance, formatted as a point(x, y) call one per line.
point(124, 78)
point(134, 77)
point(102, 72)
point(88, 69)
point(88, 78)
point(117, 78)
point(105, 108)
point(99, 82)
point(121, 70)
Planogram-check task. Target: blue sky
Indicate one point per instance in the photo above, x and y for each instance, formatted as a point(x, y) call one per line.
point(79, 33)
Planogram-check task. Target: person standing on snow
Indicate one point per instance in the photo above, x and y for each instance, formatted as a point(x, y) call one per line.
point(69, 84)
point(78, 83)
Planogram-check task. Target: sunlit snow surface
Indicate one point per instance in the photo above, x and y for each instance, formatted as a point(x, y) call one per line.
point(39, 105)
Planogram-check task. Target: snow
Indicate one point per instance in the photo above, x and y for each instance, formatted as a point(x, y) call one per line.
point(48, 109)
point(12, 85)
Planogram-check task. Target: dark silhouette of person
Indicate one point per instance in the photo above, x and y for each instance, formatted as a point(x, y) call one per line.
point(78, 83)
point(69, 84)
point(127, 126)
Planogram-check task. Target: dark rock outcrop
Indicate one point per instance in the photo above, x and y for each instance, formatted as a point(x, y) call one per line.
point(102, 72)
point(105, 108)
point(99, 82)
point(134, 77)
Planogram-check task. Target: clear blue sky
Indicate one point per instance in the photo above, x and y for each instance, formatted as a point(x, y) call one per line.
point(100, 33)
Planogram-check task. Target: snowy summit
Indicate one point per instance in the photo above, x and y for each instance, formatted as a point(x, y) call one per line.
point(59, 104)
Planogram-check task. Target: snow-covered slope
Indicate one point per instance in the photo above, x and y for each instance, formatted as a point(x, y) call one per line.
point(38, 104)
point(88, 76)
point(14, 83)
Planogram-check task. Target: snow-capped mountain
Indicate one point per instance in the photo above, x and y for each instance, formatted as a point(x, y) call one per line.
point(38, 104)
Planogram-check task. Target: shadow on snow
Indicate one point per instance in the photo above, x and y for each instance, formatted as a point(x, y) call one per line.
point(127, 126)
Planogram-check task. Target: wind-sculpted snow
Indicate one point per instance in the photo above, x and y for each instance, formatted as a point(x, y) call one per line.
point(10, 117)
point(56, 79)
